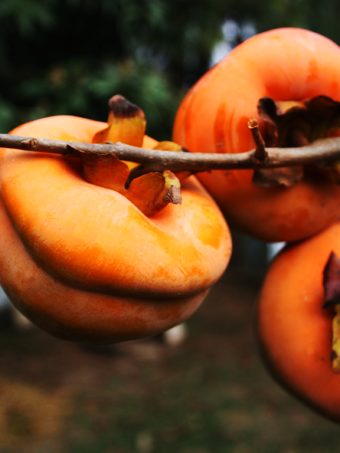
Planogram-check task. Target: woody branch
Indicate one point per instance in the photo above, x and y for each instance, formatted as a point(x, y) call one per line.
point(325, 150)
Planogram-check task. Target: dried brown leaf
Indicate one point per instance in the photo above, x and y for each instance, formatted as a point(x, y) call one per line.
point(331, 280)
point(283, 176)
point(314, 118)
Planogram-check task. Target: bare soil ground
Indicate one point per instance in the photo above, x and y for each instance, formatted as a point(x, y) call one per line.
point(210, 394)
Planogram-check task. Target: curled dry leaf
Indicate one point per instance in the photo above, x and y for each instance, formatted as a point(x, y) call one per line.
point(284, 176)
point(313, 117)
point(331, 280)
point(331, 284)
point(296, 123)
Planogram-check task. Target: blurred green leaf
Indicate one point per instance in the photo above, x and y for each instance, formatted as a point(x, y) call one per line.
point(71, 56)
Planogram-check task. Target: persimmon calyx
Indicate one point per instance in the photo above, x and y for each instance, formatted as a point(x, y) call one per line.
point(336, 342)
point(153, 191)
point(297, 123)
point(314, 118)
point(284, 176)
point(331, 284)
point(126, 123)
point(150, 192)
point(175, 147)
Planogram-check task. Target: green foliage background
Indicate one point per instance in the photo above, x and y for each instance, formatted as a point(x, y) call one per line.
point(70, 56)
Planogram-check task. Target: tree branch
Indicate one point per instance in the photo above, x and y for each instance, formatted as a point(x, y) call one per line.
point(260, 150)
point(325, 150)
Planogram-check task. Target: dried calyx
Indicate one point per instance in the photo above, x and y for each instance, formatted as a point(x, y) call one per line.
point(150, 192)
point(293, 124)
point(331, 284)
point(126, 123)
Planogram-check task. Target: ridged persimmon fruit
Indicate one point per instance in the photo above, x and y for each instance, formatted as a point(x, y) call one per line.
point(284, 65)
point(83, 262)
point(294, 327)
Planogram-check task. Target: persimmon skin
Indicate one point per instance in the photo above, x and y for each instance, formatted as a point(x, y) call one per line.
point(284, 64)
point(294, 331)
point(84, 263)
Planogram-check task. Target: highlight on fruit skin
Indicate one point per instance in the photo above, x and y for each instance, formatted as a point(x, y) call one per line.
point(298, 318)
point(83, 262)
point(279, 69)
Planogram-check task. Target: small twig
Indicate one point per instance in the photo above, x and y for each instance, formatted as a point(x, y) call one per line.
point(260, 152)
point(325, 150)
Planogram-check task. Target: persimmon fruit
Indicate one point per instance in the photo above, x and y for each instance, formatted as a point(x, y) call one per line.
point(295, 329)
point(285, 65)
point(83, 262)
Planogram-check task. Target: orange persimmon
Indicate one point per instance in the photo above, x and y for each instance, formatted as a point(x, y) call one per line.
point(294, 327)
point(285, 65)
point(83, 262)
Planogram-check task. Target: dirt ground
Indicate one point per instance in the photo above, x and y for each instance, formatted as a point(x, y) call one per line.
point(209, 394)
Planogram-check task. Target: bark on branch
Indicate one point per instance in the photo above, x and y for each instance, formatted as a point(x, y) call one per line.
point(325, 150)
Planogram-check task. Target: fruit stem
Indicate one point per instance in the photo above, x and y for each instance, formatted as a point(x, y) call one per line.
point(260, 152)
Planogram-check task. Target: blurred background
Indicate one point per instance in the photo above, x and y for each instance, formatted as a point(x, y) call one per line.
point(71, 56)
point(208, 391)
